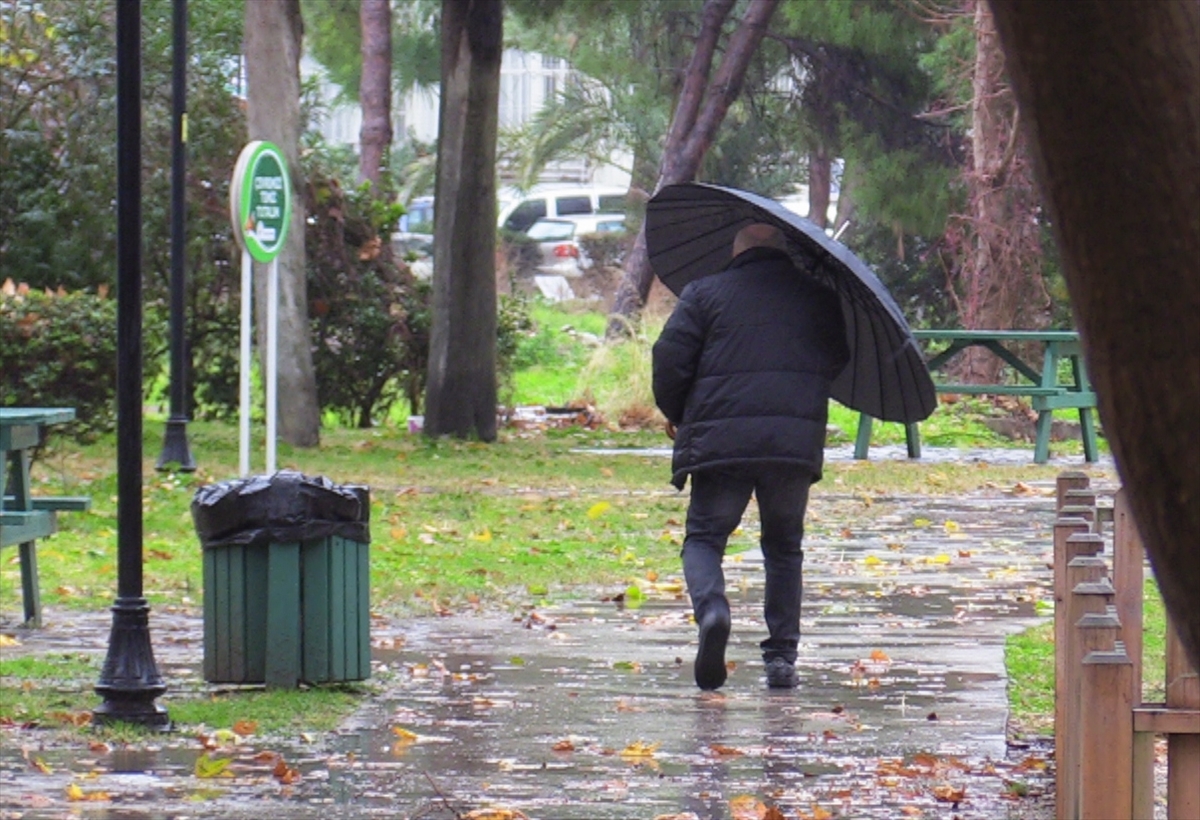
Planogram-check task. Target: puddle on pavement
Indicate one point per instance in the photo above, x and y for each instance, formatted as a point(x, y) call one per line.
point(585, 711)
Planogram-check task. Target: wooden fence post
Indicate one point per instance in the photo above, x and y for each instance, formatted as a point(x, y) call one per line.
point(1129, 582)
point(1086, 498)
point(1091, 593)
point(1088, 514)
point(1096, 631)
point(1071, 539)
point(1183, 751)
point(1107, 734)
point(1069, 480)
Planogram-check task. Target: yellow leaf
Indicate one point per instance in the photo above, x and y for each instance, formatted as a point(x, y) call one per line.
point(951, 526)
point(921, 522)
point(495, 814)
point(403, 733)
point(212, 767)
point(670, 587)
point(399, 533)
point(879, 656)
point(598, 509)
point(940, 558)
point(225, 736)
point(9, 640)
point(639, 749)
point(872, 561)
point(485, 536)
point(40, 765)
point(746, 807)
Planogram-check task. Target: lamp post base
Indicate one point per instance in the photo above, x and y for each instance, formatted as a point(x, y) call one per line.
point(175, 447)
point(129, 681)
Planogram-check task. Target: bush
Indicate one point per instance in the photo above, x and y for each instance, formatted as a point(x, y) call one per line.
point(370, 317)
point(60, 350)
point(605, 250)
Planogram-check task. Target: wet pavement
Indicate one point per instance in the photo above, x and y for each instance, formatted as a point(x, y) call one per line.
point(587, 710)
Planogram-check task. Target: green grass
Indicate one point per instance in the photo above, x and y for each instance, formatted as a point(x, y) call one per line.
point(1029, 659)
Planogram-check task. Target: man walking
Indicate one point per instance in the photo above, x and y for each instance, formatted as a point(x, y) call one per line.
point(742, 372)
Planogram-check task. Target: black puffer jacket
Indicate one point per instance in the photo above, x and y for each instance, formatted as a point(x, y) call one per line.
point(743, 366)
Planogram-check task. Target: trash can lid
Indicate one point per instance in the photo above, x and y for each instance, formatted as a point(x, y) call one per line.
point(280, 508)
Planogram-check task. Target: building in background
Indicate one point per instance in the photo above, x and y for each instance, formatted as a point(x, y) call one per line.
point(527, 82)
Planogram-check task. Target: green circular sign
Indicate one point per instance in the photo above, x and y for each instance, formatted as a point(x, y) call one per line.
point(261, 200)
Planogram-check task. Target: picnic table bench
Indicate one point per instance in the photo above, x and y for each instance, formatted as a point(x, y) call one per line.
point(1042, 387)
point(25, 518)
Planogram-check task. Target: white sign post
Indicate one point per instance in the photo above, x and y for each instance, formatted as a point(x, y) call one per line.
point(260, 207)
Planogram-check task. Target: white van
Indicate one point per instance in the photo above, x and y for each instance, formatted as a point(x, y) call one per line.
point(519, 210)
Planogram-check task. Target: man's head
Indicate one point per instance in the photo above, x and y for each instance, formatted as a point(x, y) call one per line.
point(758, 235)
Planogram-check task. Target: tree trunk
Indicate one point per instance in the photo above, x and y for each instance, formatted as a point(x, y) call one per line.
point(461, 391)
point(819, 180)
point(1002, 275)
point(273, 36)
point(702, 106)
point(1111, 93)
point(375, 89)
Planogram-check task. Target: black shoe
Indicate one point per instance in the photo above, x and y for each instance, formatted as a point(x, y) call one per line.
point(781, 674)
point(710, 658)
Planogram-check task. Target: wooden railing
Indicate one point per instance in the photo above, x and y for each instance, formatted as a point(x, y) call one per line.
point(1104, 734)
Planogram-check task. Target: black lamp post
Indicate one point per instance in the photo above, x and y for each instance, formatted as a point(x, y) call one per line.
point(129, 681)
point(175, 449)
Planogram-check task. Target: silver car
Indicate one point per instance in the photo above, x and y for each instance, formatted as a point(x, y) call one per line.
point(558, 240)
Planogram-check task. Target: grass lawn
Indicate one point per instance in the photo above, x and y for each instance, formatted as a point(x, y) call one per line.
point(1029, 658)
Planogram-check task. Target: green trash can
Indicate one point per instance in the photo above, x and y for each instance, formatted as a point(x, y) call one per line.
point(286, 580)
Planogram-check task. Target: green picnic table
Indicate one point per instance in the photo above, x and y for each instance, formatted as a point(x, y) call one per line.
point(24, 518)
point(1043, 388)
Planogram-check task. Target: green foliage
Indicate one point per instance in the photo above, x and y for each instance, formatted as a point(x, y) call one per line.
point(370, 317)
point(334, 34)
point(513, 326)
point(1029, 659)
point(606, 250)
point(60, 351)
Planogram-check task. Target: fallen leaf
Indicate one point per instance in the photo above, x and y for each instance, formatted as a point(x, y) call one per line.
point(38, 764)
point(245, 727)
point(598, 509)
point(495, 814)
point(484, 537)
point(949, 794)
point(746, 807)
point(403, 734)
point(725, 751)
point(639, 749)
point(879, 656)
point(563, 746)
point(207, 767)
point(9, 640)
point(76, 794)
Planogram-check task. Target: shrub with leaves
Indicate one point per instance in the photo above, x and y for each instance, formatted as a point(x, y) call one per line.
point(605, 250)
point(370, 317)
point(59, 350)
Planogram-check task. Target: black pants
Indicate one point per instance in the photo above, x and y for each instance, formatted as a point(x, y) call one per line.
point(719, 497)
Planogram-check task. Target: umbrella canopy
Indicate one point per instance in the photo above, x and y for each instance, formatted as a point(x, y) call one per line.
point(689, 234)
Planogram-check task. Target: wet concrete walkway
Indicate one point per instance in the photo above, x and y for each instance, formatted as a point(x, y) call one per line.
point(587, 710)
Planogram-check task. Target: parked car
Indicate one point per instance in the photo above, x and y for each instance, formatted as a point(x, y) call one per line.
point(558, 240)
point(518, 211)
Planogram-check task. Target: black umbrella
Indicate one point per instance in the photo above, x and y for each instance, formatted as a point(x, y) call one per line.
point(689, 234)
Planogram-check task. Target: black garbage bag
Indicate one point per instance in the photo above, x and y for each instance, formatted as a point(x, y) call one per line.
point(278, 509)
